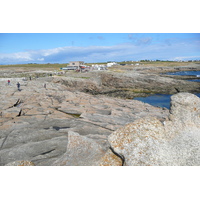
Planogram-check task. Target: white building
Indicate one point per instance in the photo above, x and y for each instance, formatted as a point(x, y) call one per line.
point(110, 64)
point(99, 67)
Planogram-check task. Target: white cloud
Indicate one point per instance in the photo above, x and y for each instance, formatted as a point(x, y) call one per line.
point(66, 54)
point(40, 59)
point(187, 58)
point(15, 57)
point(120, 52)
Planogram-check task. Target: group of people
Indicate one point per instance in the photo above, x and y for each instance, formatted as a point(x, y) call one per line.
point(18, 85)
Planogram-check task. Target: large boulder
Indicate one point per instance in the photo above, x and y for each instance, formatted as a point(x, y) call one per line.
point(185, 109)
point(110, 159)
point(174, 142)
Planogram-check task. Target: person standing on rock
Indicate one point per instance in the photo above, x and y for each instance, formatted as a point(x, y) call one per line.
point(18, 86)
point(8, 82)
point(45, 86)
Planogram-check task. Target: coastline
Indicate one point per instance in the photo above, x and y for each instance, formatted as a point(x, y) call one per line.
point(46, 125)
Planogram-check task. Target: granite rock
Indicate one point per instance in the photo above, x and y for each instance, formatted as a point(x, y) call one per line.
point(35, 122)
point(21, 163)
point(174, 142)
point(81, 151)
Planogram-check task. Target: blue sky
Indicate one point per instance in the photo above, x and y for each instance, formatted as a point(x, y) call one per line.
point(19, 48)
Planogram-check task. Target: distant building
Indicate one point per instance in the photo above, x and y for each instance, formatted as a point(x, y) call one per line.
point(74, 65)
point(111, 64)
point(99, 67)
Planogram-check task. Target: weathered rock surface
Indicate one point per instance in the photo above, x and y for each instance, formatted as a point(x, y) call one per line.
point(81, 151)
point(110, 159)
point(175, 142)
point(35, 123)
point(129, 84)
point(62, 125)
point(21, 163)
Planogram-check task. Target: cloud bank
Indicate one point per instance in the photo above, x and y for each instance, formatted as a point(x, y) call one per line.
point(143, 48)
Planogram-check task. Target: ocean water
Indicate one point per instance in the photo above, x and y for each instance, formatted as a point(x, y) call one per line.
point(163, 100)
point(187, 73)
point(159, 100)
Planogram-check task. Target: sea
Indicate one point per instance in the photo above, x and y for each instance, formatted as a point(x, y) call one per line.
point(195, 74)
point(163, 100)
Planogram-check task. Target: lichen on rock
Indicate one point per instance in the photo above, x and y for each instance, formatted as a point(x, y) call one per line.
point(174, 142)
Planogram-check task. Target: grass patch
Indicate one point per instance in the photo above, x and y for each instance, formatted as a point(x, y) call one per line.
point(138, 91)
point(36, 66)
point(131, 65)
point(74, 115)
point(82, 77)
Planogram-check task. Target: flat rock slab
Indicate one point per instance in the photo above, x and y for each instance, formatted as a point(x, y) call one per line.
point(35, 122)
point(81, 151)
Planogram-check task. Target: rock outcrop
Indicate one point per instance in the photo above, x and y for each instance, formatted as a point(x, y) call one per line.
point(127, 84)
point(41, 124)
point(61, 124)
point(174, 142)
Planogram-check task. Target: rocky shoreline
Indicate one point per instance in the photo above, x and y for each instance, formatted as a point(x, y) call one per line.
point(134, 82)
point(76, 120)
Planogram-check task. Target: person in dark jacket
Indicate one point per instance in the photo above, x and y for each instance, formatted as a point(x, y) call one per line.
point(18, 86)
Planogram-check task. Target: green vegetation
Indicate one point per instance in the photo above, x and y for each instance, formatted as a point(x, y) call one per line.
point(138, 91)
point(83, 77)
point(55, 66)
point(74, 115)
point(156, 63)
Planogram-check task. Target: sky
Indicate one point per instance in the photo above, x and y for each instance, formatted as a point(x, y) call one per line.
point(21, 48)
